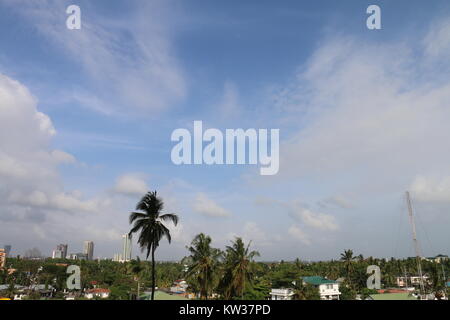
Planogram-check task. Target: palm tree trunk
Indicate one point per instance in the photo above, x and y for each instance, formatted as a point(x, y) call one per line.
point(153, 273)
point(138, 290)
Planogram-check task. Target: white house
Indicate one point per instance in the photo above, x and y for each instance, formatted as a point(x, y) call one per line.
point(281, 294)
point(328, 289)
point(97, 293)
point(413, 280)
point(179, 286)
point(437, 259)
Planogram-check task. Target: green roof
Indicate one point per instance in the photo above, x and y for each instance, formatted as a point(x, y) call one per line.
point(317, 280)
point(160, 295)
point(392, 296)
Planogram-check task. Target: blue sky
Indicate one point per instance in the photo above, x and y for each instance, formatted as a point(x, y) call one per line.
point(362, 117)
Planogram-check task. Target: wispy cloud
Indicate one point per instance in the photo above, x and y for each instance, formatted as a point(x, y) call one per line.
point(130, 64)
point(208, 207)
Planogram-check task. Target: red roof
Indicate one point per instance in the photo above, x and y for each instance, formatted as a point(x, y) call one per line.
point(392, 291)
point(98, 290)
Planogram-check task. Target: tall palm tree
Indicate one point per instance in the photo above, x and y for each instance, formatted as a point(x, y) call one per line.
point(149, 224)
point(239, 267)
point(204, 264)
point(347, 258)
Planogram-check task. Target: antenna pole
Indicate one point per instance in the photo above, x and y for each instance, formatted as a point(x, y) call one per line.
point(416, 244)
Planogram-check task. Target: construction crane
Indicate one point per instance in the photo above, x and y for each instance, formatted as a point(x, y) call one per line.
point(416, 243)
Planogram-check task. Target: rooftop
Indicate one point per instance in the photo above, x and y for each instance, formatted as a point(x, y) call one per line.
point(393, 296)
point(160, 295)
point(98, 290)
point(317, 280)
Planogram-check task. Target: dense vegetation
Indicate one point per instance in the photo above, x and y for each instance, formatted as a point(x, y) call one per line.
point(230, 274)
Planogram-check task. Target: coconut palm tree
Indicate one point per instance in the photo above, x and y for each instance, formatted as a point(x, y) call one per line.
point(204, 264)
point(348, 258)
point(149, 224)
point(239, 267)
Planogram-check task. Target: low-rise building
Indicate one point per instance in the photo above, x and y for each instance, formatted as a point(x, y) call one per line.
point(281, 294)
point(412, 280)
point(437, 259)
point(179, 287)
point(328, 289)
point(2, 258)
point(97, 293)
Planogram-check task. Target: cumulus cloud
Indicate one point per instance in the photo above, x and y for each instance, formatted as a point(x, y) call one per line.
point(28, 166)
point(298, 234)
point(431, 189)
point(131, 184)
point(63, 157)
point(313, 219)
point(208, 207)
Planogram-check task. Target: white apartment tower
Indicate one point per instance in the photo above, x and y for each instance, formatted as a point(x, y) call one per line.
point(126, 249)
point(89, 249)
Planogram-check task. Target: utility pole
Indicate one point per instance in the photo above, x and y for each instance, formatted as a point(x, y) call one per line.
point(416, 244)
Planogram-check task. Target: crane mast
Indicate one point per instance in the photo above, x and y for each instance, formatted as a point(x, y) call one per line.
point(416, 244)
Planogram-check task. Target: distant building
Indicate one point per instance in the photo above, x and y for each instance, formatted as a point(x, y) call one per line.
point(281, 294)
point(78, 256)
point(179, 287)
point(2, 258)
point(438, 259)
point(63, 249)
point(126, 248)
point(60, 252)
point(97, 293)
point(412, 280)
point(89, 249)
point(7, 248)
point(56, 254)
point(328, 289)
point(125, 256)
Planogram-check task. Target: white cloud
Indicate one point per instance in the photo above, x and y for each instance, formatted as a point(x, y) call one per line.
point(28, 166)
point(335, 201)
point(299, 234)
point(131, 184)
point(129, 62)
point(366, 116)
point(63, 157)
point(179, 233)
point(437, 41)
point(431, 189)
point(252, 232)
point(208, 207)
point(316, 220)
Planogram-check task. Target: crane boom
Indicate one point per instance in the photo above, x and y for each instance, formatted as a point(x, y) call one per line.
point(416, 244)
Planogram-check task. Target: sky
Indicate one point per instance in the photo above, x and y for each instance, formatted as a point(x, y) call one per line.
point(86, 118)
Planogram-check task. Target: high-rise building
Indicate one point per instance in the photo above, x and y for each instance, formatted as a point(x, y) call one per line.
point(7, 248)
point(89, 249)
point(63, 249)
point(126, 249)
point(56, 254)
point(2, 258)
point(60, 252)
